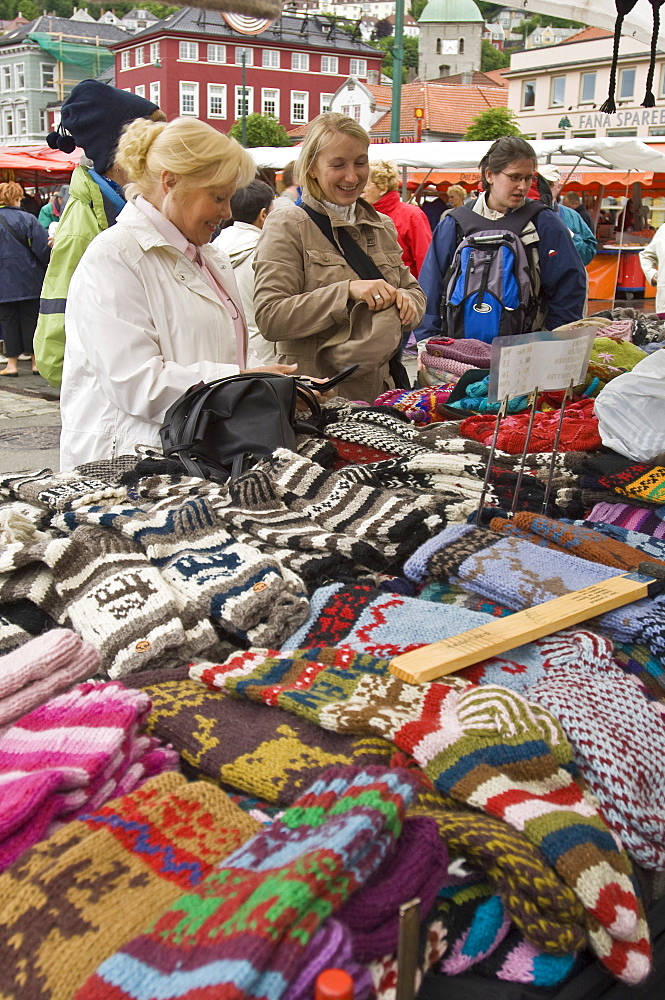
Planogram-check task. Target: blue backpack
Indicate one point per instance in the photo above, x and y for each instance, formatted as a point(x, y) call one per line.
point(489, 289)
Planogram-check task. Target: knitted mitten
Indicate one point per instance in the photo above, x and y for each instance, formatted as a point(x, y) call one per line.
point(43, 667)
point(61, 491)
point(85, 746)
point(650, 521)
point(116, 600)
point(511, 759)
point(476, 924)
point(245, 929)
point(251, 596)
point(266, 752)
point(517, 961)
point(141, 853)
point(331, 947)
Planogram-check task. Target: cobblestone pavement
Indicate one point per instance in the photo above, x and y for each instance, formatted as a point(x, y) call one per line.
point(29, 423)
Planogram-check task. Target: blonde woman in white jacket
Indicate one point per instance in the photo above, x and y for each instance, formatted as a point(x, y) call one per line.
point(153, 307)
point(650, 262)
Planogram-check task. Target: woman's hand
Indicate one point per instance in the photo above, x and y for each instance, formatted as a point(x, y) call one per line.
point(273, 369)
point(377, 293)
point(406, 307)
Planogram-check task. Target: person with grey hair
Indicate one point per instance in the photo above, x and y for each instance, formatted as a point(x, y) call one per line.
point(583, 237)
point(558, 276)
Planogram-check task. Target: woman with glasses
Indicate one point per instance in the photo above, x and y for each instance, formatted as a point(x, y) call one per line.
point(559, 281)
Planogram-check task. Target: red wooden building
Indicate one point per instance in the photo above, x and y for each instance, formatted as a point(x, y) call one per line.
point(190, 63)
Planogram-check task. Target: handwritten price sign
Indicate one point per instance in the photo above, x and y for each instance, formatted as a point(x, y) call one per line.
point(543, 360)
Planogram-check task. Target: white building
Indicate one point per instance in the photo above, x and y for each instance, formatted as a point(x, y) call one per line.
point(364, 102)
point(548, 35)
point(557, 91)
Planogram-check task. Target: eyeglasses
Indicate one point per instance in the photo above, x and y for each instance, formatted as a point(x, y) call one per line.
point(516, 178)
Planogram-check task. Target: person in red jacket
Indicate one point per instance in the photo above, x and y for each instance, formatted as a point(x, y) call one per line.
point(413, 229)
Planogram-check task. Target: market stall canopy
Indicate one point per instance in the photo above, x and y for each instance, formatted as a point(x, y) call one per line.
point(41, 163)
point(638, 23)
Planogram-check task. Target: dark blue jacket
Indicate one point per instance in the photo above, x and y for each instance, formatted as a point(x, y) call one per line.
point(564, 282)
point(22, 270)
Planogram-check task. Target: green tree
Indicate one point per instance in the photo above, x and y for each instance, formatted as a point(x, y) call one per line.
point(262, 130)
point(492, 124)
point(410, 55)
point(417, 7)
point(491, 58)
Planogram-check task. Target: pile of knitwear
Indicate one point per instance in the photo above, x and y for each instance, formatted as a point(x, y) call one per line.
point(212, 782)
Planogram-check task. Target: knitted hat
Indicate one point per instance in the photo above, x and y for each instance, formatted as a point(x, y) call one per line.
point(475, 353)
point(579, 431)
point(94, 114)
point(133, 857)
point(619, 354)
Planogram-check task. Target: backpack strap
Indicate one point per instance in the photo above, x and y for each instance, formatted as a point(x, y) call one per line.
point(355, 256)
point(470, 222)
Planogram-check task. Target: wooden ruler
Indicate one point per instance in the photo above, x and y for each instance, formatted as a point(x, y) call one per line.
point(501, 634)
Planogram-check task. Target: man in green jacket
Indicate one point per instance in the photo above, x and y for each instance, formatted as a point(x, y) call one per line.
point(94, 115)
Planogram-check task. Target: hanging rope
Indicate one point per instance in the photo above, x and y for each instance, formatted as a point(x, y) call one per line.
point(649, 100)
point(623, 7)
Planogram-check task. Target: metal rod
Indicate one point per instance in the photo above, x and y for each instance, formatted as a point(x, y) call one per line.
point(490, 458)
point(550, 475)
point(407, 950)
point(520, 473)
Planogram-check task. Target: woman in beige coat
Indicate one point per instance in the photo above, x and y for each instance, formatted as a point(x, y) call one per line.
point(307, 298)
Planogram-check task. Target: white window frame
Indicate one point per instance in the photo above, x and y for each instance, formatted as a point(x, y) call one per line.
point(215, 50)
point(22, 121)
point(139, 90)
point(188, 51)
point(125, 59)
point(154, 52)
point(583, 77)
point(217, 90)
point(139, 56)
point(524, 106)
point(238, 101)
point(43, 121)
point(6, 78)
point(155, 89)
point(300, 62)
point(553, 83)
point(346, 109)
point(9, 123)
point(270, 90)
point(249, 55)
point(622, 76)
point(358, 68)
point(325, 100)
point(19, 73)
point(330, 65)
point(50, 68)
point(271, 59)
point(305, 105)
point(187, 93)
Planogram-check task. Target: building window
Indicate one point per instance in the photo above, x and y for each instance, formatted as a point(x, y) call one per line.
point(140, 90)
point(627, 85)
point(124, 59)
point(587, 88)
point(329, 64)
point(139, 57)
point(657, 130)
point(189, 99)
point(9, 123)
point(554, 135)
point(345, 110)
point(300, 61)
point(43, 121)
point(583, 134)
point(47, 70)
point(19, 76)
point(249, 56)
point(325, 102)
point(528, 94)
point(270, 102)
point(438, 46)
point(249, 101)
point(217, 53)
point(299, 106)
point(22, 121)
point(557, 91)
point(460, 48)
point(189, 51)
point(154, 52)
point(621, 131)
point(154, 92)
point(358, 67)
point(216, 100)
point(270, 59)
point(6, 78)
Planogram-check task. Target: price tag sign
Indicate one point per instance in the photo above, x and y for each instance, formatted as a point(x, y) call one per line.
point(543, 360)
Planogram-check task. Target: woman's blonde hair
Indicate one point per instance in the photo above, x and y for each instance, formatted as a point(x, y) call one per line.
point(456, 189)
point(319, 133)
point(384, 175)
point(10, 192)
point(196, 153)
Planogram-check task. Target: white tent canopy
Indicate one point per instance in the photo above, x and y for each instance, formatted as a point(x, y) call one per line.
point(600, 13)
point(608, 154)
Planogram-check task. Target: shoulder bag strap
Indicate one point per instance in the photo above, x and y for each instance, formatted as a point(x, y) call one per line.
point(354, 255)
point(10, 230)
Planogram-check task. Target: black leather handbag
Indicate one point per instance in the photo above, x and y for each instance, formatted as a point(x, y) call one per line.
point(217, 430)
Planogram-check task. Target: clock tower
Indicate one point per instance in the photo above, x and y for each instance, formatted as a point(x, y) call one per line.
point(450, 42)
